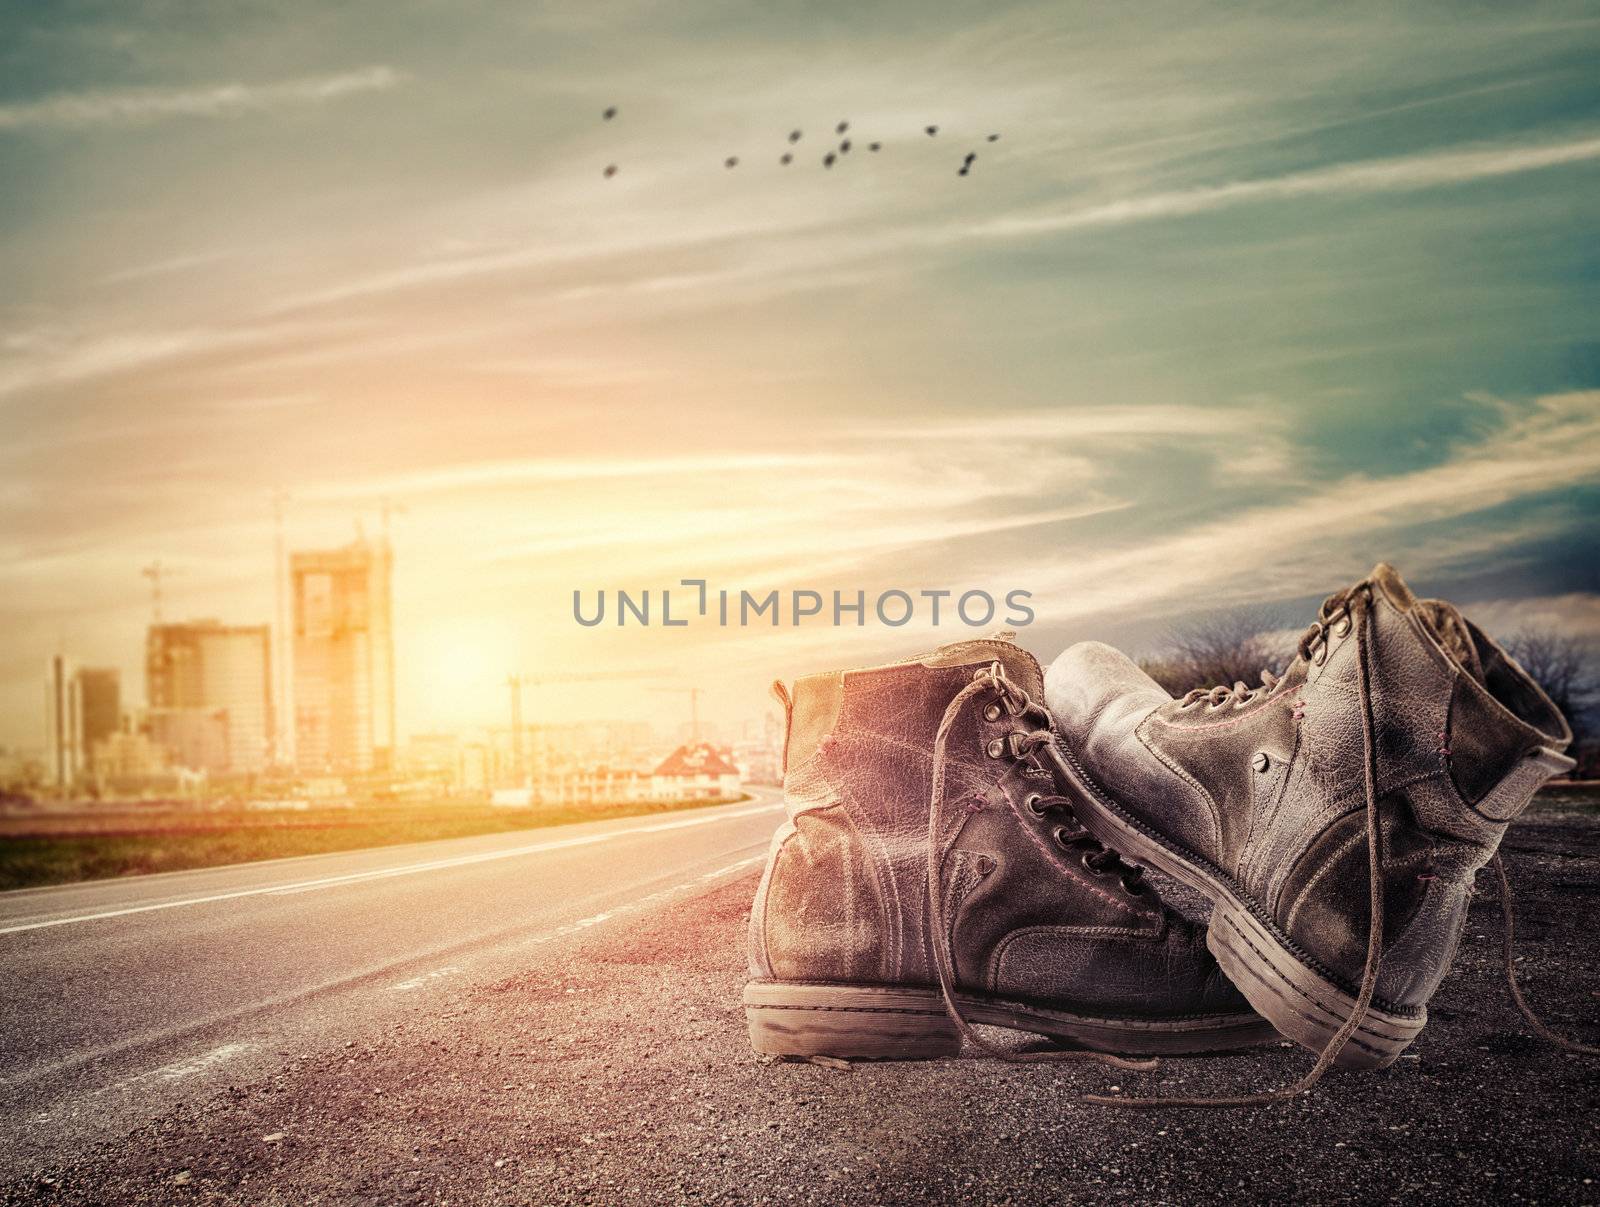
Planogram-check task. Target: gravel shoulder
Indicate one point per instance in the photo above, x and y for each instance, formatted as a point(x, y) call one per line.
point(619, 1072)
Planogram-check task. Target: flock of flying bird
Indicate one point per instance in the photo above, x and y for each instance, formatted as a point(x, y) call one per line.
point(829, 159)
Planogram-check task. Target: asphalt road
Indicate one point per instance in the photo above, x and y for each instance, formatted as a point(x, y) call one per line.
point(549, 1061)
point(122, 998)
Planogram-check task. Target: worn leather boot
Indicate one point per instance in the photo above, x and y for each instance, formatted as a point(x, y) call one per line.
point(930, 876)
point(1372, 780)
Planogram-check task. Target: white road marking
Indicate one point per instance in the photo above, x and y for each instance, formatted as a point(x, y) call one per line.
point(176, 1071)
point(417, 982)
point(405, 870)
point(734, 867)
point(631, 907)
point(179, 1069)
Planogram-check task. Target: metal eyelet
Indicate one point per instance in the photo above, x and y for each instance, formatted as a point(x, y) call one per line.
point(996, 748)
point(1032, 802)
point(1089, 867)
point(1344, 626)
point(1059, 837)
point(991, 713)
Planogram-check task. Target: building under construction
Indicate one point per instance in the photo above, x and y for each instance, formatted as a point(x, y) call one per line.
point(209, 687)
point(343, 655)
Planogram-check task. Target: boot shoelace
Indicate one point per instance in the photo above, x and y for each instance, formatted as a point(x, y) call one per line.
point(1333, 616)
point(1096, 858)
point(1338, 610)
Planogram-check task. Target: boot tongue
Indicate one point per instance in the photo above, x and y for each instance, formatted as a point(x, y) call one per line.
point(1441, 619)
point(1020, 666)
point(1449, 627)
point(1387, 579)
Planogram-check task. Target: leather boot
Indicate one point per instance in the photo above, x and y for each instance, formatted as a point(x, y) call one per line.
point(930, 876)
point(1373, 779)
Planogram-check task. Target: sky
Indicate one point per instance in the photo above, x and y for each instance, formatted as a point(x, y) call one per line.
point(1243, 300)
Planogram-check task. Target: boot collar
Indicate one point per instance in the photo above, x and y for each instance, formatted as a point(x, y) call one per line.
point(1019, 665)
point(1509, 689)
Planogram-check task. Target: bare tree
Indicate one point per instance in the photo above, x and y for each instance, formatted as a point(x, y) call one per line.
point(1219, 649)
point(1566, 668)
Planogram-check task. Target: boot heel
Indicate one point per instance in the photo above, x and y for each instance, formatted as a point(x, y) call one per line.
point(1301, 1003)
point(861, 1022)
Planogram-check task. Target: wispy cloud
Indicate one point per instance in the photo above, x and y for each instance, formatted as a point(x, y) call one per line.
point(1354, 521)
point(1307, 544)
point(800, 243)
point(1081, 423)
point(160, 268)
point(132, 106)
point(1396, 174)
point(50, 356)
point(562, 469)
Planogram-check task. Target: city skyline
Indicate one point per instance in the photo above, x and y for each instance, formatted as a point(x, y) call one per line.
point(214, 710)
point(212, 729)
point(315, 694)
point(1215, 328)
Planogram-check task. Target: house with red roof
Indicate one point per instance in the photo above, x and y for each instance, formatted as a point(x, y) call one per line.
point(696, 771)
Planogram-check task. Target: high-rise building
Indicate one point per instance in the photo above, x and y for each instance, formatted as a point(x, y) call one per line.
point(63, 723)
point(210, 694)
point(343, 657)
point(99, 708)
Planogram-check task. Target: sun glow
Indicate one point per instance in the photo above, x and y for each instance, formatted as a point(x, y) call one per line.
point(461, 664)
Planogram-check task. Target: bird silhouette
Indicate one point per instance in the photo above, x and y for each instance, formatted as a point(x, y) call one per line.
point(845, 146)
point(611, 112)
point(874, 146)
point(842, 127)
point(932, 130)
point(794, 136)
point(827, 160)
point(994, 138)
point(731, 162)
point(787, 158)
point(611, 170)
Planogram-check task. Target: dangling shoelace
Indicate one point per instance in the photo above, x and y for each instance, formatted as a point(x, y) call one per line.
point(993, 680)
point(1337, 607)
point(1507, 936)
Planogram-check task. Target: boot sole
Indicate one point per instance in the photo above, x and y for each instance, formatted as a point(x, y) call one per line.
point(1301, 1002)
point(882, 1022)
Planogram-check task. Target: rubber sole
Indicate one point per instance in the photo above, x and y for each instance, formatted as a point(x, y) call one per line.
point(883, 1022)
point(1300, 1002)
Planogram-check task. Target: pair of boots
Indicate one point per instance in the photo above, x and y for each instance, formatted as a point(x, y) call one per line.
point(957, 823)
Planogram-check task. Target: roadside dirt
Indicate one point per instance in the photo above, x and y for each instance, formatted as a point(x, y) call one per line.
point(620, 1073)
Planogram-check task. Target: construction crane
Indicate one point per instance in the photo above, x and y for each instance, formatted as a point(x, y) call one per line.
point(694, 708)
point(155, 571)
point(517, 682)
point(387, 510)
point(282, 647)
